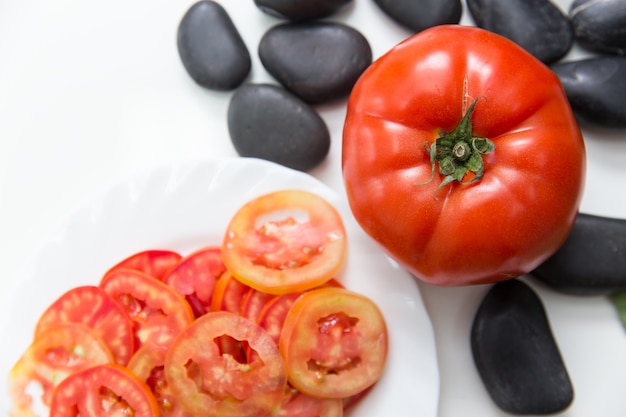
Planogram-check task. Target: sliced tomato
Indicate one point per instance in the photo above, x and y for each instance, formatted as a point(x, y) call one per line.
point(147, 364)
point(55, 353)
point(194, 277)
point(297, 404)
point(253, 303)
point(93, 307)
point(334, 342)
point(158, 312)
point(274, 313)
point(211, 384)
point(228, 294)
point(154, 262)
point(285, 241)
point(103, 390)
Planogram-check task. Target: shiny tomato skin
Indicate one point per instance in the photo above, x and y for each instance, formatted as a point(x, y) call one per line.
point(103, 390)
point(211, 383)
point(498, 227)
point(285, 241)
point(57, 352)
point(334, 343)
point(158, 312)
point(91, 306)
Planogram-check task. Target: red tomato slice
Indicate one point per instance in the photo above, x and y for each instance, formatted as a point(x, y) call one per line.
point(154, 262)
point(286, 241)
point(253, 303)
point(158, 312)
point(91, 306)
point(297, 404)
point(334, 342)
point(274, 313)
point(228, 294)
point(103, 390)
point(147, 364)
point(211, 384)
point(56, 353)
point(195, 276)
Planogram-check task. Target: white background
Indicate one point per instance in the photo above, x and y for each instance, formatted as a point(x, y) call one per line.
point(92, 92)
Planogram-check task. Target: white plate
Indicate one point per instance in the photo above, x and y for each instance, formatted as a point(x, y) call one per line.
point(186, 206)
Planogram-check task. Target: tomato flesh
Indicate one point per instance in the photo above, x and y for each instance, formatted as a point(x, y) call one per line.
point(93, 307)
point(56, 353)
point(153, 262)
point(334, 342)
point(195, 277)
point(103, 390)
point(158, 312)
point(210, 383)
point(285, 241)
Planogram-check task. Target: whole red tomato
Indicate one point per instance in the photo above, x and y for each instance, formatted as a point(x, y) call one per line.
point(461, 157)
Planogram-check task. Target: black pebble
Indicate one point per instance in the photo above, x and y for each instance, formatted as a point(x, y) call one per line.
point(211, 48)
point(538, 26)
point(317, 61)
point(600, 25)
point(266, 121)
point(515, 352)
point(592, 261)
point(300, 10)
point(417, 15)
point(596, 88)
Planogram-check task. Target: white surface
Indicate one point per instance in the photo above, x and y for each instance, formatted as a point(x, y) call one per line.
point(93, 92)
point(187, 206)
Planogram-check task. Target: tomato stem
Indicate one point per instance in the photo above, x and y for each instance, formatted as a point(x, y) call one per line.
point(459, 153)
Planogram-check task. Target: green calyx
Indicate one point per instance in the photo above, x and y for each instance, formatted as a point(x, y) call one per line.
point(459, 153)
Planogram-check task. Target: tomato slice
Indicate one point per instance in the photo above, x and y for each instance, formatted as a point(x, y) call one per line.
point(285, 241)
point(91, 306)
point(103, 390)
point(195, 276)
point(253, 303)
point(153, 262)
point(211, 384)
point(273, 315)
point(298, 404)
point(147, 364)
point(55, 353)
point(334, 342)
point(158, 312)
point(228, 294)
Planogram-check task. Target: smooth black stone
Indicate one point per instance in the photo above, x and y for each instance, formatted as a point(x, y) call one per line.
point(538, 26)
point(417, 15)
point(592, 261)
point(596, 89)
point(211, 48)
point(600, 25)
point(516, 354)
point(266, 121)
point(300, 10)
point(317, 61)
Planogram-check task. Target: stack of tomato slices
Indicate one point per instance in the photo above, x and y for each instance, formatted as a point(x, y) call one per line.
point(255, 326)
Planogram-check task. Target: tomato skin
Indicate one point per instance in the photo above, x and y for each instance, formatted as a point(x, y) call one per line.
point(334, 342)
point(285, 254)
point(93, 307)
point(103, 390)
point(496, 228)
